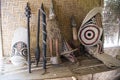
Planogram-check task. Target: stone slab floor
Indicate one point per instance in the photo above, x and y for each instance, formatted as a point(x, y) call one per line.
point(86, 70)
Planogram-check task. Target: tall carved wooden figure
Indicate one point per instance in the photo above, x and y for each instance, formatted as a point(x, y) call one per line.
point(53, 35)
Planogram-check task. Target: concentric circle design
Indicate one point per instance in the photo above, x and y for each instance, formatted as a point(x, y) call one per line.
point(89, 35)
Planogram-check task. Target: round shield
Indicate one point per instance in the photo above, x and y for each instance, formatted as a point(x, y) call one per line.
point(89, 35)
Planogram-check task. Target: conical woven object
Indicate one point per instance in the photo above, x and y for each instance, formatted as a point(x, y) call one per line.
point(53, 30)
point(53, 25)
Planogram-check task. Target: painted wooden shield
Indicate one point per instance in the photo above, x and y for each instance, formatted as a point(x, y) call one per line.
point(91, 28)
point(19, 47)
point(90, 34)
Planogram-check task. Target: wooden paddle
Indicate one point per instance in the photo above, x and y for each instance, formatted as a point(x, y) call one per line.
point(37, 51)
point(74, 29)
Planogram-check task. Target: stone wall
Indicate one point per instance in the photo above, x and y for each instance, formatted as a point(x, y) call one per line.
point(13, 17)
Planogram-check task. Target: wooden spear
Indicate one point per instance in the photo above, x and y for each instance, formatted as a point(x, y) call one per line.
point(28, 15)
point(37, 53)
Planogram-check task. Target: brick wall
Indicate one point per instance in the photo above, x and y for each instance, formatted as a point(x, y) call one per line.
point(13, 17)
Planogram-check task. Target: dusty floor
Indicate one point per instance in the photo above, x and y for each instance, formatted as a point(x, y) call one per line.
point(67, 69)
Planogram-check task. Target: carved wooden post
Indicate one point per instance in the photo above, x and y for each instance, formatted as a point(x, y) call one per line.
point(44, 36)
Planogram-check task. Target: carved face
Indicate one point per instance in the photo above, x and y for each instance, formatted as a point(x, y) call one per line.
point(71, 57)
point(19, 49)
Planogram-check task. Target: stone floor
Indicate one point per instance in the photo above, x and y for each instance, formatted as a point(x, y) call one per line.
point(64, 71)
